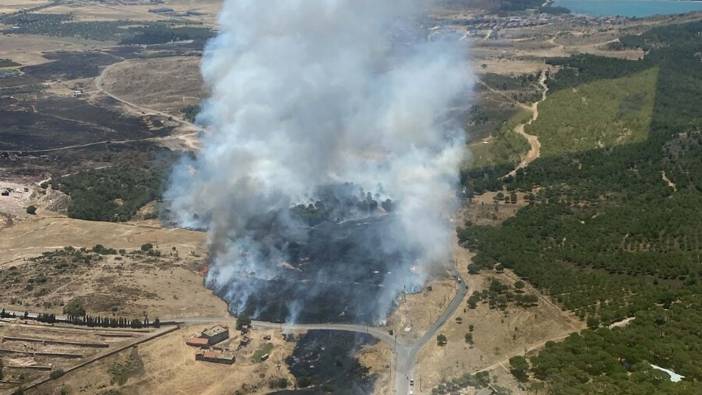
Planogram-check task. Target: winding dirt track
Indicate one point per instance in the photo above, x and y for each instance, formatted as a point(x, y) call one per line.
point(534, 143)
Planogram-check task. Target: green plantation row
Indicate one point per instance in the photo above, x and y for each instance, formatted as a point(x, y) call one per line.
point(615, 228)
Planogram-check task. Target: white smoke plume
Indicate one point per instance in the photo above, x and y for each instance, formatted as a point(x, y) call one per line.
point(308, 93)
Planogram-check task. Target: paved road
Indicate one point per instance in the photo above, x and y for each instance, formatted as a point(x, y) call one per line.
point(405, 353)
point(376, 332)
point(406, 356)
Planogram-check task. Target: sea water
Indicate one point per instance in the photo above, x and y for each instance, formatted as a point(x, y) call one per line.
point(629, 8)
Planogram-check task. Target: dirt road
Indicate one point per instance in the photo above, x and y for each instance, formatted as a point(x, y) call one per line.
point(534, 144)
point(189, 140)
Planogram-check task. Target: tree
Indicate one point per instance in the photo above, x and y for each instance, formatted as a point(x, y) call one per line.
point(303, 382)
point(593, 322)
point(441, 340)
point(473, 268)
point(56, 373)
point(74, 309)
point(31, 210)
point(519, 284)
point(469, 338)
point(519, 367)
point(242, 321)
point(279, 383)
point(473, 300)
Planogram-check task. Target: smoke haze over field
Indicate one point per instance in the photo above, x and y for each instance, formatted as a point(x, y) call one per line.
point(317, 93)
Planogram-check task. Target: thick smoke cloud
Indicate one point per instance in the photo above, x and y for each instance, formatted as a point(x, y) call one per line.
point(311, 93)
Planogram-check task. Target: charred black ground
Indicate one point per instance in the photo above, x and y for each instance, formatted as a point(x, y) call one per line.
point(339, 262)
point(324, 362)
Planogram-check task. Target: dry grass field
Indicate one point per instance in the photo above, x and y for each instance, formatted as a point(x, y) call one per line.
point(31, 238)
point(163, 84)
point(378, 358)
point(486, 209)
point(417, 312)
point(28, 49)
point(199, 11)
point(497, 335)
point(11, 6)
point(127, 284)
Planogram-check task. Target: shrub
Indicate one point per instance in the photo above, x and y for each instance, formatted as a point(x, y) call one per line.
point(242, 320)
point(304, 382)
point(56, 373)
point(281, 383)
point(147, 247)
point(519, 367)
point(74, 308)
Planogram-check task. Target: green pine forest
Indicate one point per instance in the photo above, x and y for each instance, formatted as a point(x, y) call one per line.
point(613, 229)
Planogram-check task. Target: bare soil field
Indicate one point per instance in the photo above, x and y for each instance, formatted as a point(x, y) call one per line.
point(168, 366)
point(152, 83)
point(16, 201)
